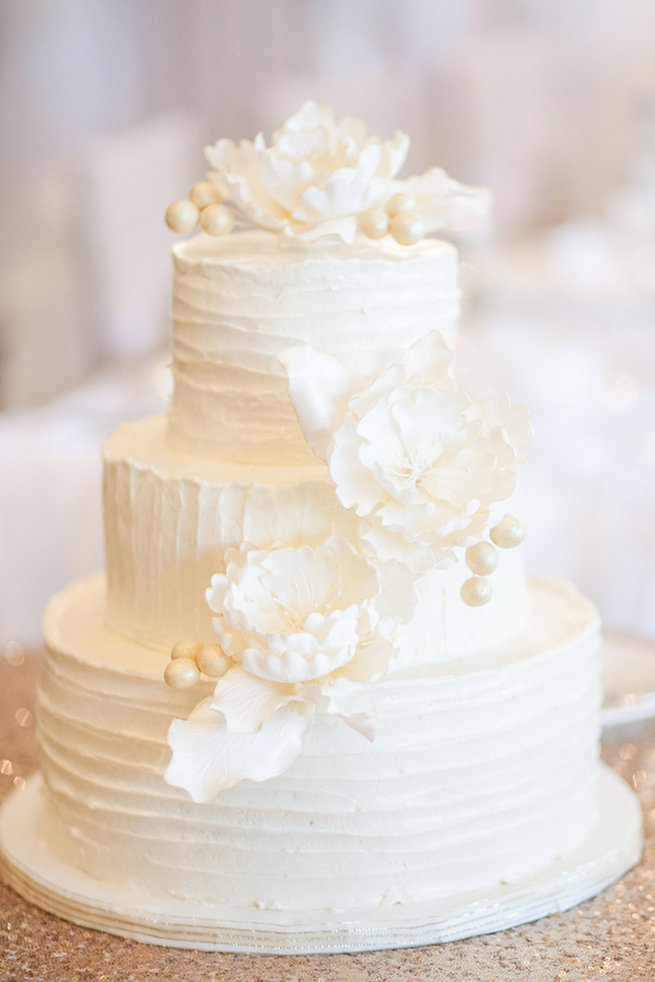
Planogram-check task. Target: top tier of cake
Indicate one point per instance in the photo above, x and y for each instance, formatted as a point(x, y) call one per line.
point(238, 302)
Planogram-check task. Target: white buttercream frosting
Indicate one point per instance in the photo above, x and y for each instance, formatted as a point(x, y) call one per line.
point(170, 515)
point(240, 301)
point(481, 772)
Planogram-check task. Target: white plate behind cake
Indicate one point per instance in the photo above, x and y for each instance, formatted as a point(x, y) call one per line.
point(612, 847)
point(628, 679)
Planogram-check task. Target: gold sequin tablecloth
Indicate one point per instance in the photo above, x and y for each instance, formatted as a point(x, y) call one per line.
point(610, 938)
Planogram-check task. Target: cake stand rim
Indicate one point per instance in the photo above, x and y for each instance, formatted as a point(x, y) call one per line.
point(612, 847)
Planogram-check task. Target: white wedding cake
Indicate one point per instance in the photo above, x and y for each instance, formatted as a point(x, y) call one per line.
point(314, 678)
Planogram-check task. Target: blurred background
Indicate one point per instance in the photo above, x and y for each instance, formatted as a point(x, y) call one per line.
point(105, 108)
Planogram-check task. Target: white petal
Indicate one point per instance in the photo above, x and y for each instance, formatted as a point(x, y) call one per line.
point(378, 391)
point(355, 485)
point(397, 598)
point(237, 168)
point(498, 412)
point(207, 759)
point(390, 547)
point(291, 665)
point(347, 192)
point(340, 229)
point(460, 476)
point(430, 361)
point(246, 701)
point(299, 578)
point(382, 445)
point(371, 661)
point(232, 642)
point(445, 203)
point(397, 149)
point(351, 702)
point(414, 521)
point(362, 722)
point(319, 388)
point(367, 165)
point(280, 178)
point(215, 594)
point(356, 580)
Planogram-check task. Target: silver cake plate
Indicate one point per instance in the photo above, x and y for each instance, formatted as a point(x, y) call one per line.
point(613, 846)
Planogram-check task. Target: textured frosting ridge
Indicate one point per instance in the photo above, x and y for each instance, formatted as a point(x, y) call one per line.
point(239, 302)
point(474, 791)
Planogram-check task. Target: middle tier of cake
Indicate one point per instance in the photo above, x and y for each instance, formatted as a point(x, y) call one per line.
point(170, 516)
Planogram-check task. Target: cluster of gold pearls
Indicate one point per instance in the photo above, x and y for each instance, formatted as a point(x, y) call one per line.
point(190, 659)
point(482, 560)
point(399, 217)
point(509, 533)
point(203, 206)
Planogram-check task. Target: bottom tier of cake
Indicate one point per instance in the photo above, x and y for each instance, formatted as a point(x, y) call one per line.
point(479, 775)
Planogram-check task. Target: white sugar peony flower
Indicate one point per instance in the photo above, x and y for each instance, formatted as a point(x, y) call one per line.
point(290, 615)
point(306, 628)
point(314, 180)
point(421, 464)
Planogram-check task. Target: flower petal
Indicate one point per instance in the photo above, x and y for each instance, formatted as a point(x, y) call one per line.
point(208, 759)
point(430, 361)
point(445, 203)
point(371, 661)
point(338, 229)
point(293, 660)
point(350, 701)
point(355, 486)
point(319, 388)
point(247, 701)
point(397, 599)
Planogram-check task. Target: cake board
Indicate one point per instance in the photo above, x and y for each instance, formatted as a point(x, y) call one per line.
point(612, 847)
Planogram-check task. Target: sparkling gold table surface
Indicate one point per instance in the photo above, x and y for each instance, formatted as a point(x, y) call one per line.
point(610, 938)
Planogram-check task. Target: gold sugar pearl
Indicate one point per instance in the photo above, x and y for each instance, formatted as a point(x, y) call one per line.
point(185, 649)
point(374, 224)
point(476, 591)
point(204, 193)
point(181, 673)
point(510, 532)
point(212, 662)
point(407, 229)
point(482, 558)
point(217, 220)
point(400, 203)
point(182, 216)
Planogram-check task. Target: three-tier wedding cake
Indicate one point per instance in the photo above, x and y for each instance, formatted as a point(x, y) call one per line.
point(314, 696)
